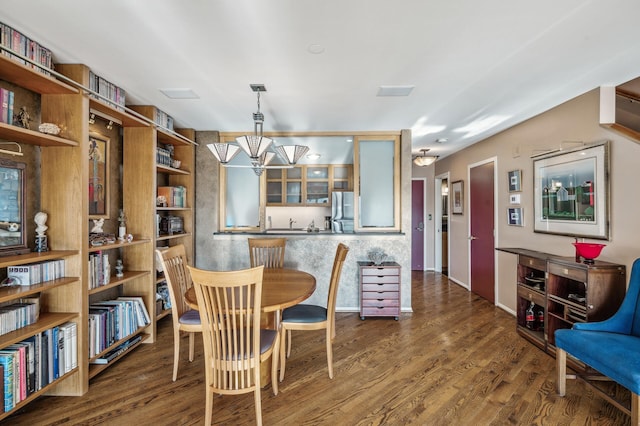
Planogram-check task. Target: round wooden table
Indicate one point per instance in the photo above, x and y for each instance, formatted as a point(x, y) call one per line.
point(281, 288)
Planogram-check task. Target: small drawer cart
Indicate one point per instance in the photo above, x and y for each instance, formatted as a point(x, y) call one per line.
point(379, 290)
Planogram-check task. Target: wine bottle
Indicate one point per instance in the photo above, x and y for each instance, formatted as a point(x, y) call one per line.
point(530, 317)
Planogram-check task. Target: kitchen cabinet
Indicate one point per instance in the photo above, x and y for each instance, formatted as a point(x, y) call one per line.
point(307, 185)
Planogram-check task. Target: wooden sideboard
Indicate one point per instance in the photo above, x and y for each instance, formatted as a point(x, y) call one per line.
point(563, 292)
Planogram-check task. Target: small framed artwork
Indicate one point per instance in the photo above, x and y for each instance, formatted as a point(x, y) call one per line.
point(514, 198)
point(514, 216)
point(515, 180)
point(98, 176)
point(457, 197)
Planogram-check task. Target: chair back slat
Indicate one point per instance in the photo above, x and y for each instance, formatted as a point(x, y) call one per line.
point(267, 251)
point(231, 326)
point(174, 264)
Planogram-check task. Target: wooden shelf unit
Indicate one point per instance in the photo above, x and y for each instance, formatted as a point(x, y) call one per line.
point(141, 145)
point(63, 164)
point(567, 291)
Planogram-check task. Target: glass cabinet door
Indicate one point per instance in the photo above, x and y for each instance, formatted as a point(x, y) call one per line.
point(274, 186)
point(317, 185)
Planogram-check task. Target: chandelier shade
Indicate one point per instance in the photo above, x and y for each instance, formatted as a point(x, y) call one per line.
point(292, 153)
point(424, 159)
point(254, 145)
point(224, 152)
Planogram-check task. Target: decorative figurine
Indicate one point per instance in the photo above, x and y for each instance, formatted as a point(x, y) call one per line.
point(122, 228)
point(41, 239)
point(22, 118)
point(97, 226)
point(119, 268)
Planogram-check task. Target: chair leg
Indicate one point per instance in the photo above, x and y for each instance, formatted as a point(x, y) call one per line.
point(191, 346)
point(289, 344)
point(561, 370)
point(274, 364)
point(329, 353)
point(635, 408)
point(283, 360)
point(176, 353)
point(208, 410)
point(258, 400)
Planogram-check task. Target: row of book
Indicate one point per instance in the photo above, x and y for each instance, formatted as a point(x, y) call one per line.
point(113, 320)
point(99, 269)
point(175, 196)
point(35, 273)
point(16, 315)
point(108, 90)
point(33, 363)
point(163, 119)
point(14, 41)
point(117, 351)
point(164, 157)
point(6, 106)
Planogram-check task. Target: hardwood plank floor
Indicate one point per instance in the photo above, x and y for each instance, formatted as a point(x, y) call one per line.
point(457, 360)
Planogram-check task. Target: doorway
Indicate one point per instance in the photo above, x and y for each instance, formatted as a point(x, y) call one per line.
point(482, 229)
point(417, 223)
point(441, 213)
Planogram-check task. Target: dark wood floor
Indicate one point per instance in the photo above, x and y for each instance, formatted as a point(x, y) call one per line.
point(456, 360)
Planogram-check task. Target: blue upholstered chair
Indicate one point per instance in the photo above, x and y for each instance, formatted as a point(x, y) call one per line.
point(314, 317)
point(612, 347)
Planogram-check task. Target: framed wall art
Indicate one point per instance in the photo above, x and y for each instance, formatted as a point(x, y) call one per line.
point(13, 234)
point(98, 176)
point(514, 216)
point(457, 197)
point(571, 192)
point(515, 180)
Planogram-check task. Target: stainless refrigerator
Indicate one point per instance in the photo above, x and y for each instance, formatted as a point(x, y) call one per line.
point(342, 211)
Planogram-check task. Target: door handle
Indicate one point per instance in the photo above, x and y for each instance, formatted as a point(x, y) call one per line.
point(471, 238)
point(420, 227)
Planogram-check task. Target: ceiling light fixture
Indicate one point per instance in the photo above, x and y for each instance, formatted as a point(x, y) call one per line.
point(424, 159)
point(256, 146)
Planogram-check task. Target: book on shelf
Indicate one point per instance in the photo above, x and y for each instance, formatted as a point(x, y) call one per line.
point(16, 315)
point(35, 362)
point(6, 360)
point(113, 94)
point(6, 106)
point(117, 351)
point(36, 273)
point(12, 40)
point(175, 196)
point(141, 309)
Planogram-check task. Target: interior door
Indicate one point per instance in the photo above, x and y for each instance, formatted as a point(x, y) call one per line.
point(417, 224)
point(481, 239)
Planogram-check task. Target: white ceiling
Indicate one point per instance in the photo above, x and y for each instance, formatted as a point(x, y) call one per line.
point(478, 67)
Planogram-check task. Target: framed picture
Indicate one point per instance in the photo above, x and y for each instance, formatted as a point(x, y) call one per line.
point(457, 197)
point(571, 191)
point(98, 176)
point(515, 180)
point(13, 233)
point(514, 216)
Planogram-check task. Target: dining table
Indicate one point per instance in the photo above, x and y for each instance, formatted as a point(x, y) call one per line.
point(281, 288)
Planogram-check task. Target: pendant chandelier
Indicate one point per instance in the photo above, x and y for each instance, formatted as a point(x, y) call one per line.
point(257, 146)
point(424, 159)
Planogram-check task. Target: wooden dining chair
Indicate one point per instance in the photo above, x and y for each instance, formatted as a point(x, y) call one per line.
point(229, 304)
point(267, 251)
point(185, 319)
point(314, 317)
